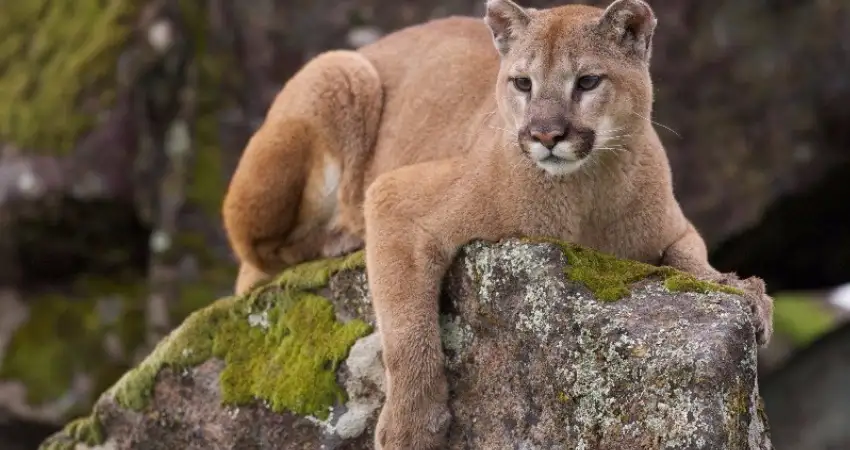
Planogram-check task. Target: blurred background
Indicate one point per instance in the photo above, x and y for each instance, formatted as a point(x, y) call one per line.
point(121, 121)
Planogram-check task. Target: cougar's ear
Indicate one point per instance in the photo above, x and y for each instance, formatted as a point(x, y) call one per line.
point(630, 24)
point(507, 21)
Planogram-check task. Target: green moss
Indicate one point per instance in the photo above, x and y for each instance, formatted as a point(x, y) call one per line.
point(65, 334)
point(58, 444)
point(52, 53)
point(85, 430)
point(294, 362)
point(281, 344)
point(801, 318)
point(682, 282)
point(314, 274)
point(40, 360)
point(208, 181)
point(609, 277)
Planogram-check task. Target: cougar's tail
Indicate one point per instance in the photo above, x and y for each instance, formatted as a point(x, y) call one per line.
point(325, 117)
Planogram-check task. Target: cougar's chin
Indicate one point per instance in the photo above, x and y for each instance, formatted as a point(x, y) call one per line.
point(563, 159)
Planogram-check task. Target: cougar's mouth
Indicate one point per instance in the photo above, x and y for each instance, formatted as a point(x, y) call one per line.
point(552, 159)
point(557, 166)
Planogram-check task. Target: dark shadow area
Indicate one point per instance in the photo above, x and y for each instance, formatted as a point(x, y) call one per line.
point(803, 240)
point(801, 243)
point(23, 435)
point(92, 238)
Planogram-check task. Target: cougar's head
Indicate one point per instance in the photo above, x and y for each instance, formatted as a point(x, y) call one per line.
point(574, 80)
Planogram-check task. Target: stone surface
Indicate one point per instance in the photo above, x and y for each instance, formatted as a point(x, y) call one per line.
point(534, 361)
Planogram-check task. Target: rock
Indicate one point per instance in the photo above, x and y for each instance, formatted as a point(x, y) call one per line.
point(548, 346)
point(808, 398)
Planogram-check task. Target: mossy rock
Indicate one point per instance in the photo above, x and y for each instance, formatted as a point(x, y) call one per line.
point(56, 57)
point(296, 364)
point(281, 344)
point(609, 277)
point(93, 330)
point(65, 336)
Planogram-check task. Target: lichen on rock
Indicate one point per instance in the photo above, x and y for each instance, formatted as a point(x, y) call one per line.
point(566, 368)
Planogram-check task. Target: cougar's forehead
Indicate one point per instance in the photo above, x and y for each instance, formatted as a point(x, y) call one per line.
point(562, 40)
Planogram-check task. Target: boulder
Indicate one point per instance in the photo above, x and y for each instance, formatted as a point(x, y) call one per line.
point(547, 345)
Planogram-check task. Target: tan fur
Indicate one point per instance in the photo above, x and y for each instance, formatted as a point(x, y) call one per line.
point(443, 144)
point(297, 191)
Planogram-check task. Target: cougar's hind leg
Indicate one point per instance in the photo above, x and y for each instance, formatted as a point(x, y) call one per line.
point(358, 120)
point(280, 206)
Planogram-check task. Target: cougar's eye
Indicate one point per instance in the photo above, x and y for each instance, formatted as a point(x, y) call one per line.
point(588, 82)
point(522, 84)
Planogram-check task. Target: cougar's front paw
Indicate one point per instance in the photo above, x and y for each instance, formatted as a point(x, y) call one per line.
point(761, 304)
point(414, 420)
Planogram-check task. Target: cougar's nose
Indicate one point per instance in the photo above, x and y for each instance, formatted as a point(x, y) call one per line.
point(549, 136)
